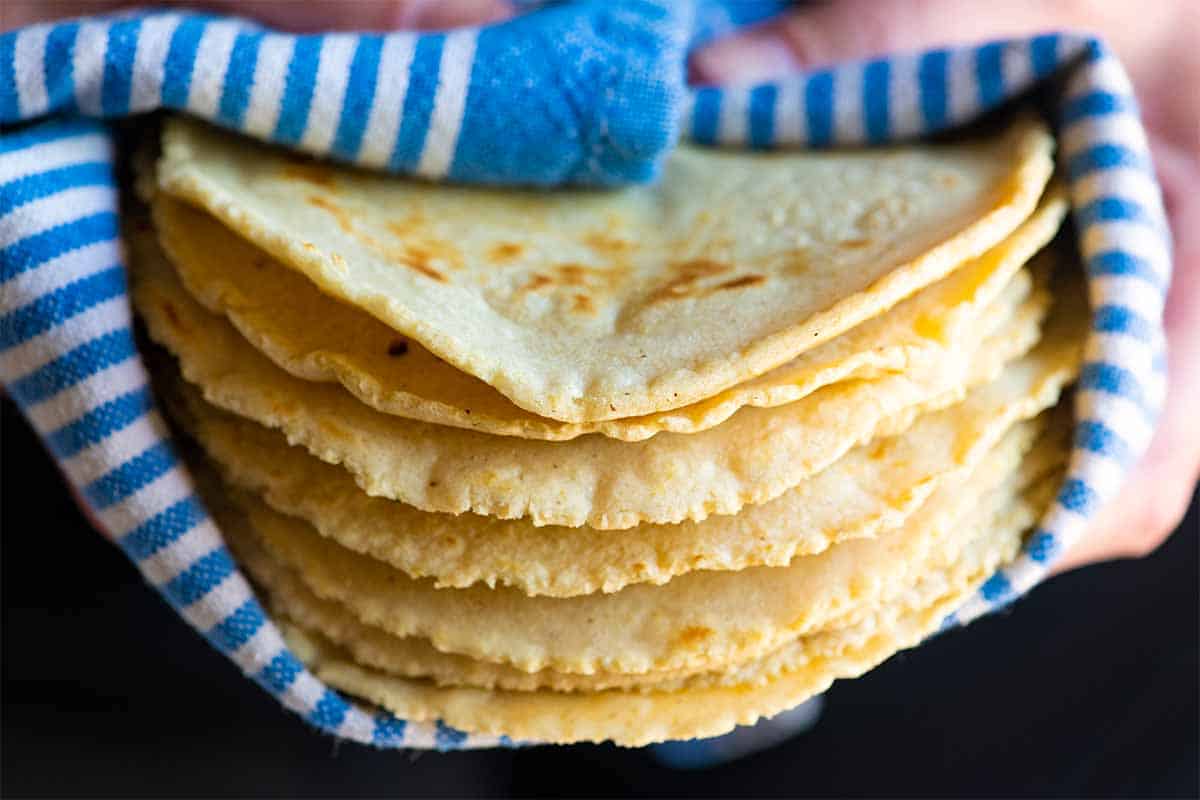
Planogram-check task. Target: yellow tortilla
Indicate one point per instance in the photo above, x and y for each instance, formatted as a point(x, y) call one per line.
point(697, 620)
point(317, 338)
point(634, 717)
point(591, 305)
point(415, 657)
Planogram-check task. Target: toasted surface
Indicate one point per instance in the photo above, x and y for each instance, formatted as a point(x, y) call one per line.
point(753, 457)
point(583, 306)
point(872, 489)
point(315, 337)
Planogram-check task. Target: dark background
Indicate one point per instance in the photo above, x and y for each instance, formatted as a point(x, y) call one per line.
point(1088, 687)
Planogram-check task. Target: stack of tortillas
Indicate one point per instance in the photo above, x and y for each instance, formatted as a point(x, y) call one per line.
point(623, 465)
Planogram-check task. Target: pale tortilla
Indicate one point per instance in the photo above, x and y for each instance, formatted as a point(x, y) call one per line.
point(590, 305)
point(317, 338)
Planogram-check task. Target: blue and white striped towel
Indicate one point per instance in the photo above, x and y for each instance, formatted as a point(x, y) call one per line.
point(589, 92)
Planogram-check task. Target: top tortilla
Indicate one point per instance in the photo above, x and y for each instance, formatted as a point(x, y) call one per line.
point(312, 336)
point(585, 305)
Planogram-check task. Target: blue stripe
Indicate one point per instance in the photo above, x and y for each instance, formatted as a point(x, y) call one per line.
point(1095, 50)
point(33, 251)
point(388, 729)
point(53, 129)
point(181, 59)
point(34, 319)
point(200, 578)
point(418, 103)
point(1114, 209)
point(706, 115)
point(1077, 496)
point(1122, 319)
point(10, 110)
point(329, 711)
point(989, 74)
point(58, 66)
point(118, 67)
point(447, 737)
point(239, 627)
point(932, 75)
point(1100, 376)
point(141, 470)
point(818, 108)
point(71, 368)
point(1096, 104)
point(101, 422)
point(1043, 53)
point(360, 96)
point(163, 528)
point(1119, 262)
point(298, 89)
point(278, 675)
point(876, 97)
point(1042, 546)
point(239, 78)
point(24, 190)
point(1106, 156)
point(996, 588)
point(762, 114)
point(1096, 437)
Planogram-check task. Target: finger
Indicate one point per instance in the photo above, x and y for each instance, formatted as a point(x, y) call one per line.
point(367, 15)
point(1156, 494)
point(826, 33)
point(301, 17)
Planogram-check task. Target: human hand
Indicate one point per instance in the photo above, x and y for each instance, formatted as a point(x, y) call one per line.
point(1157, 44)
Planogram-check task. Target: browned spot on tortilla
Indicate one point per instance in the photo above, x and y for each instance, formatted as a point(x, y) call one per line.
point(413, 222)
point(687, 275)
point(417, 255)
point(310, 172)
point(854, 244)
point(505, 251)
point(419, 249)
point(947, 180)
point(740, 283)
point(583, 304)
point(572, 274)
point(423, 255)
point(607, 244)
point(333, 209)
point(693, 635)
point(398, 347)
point(795, 261)
point(538, 281)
